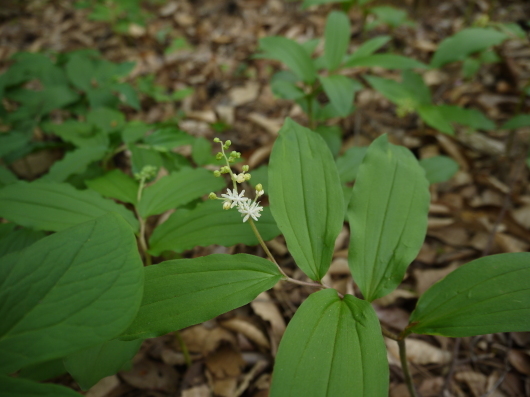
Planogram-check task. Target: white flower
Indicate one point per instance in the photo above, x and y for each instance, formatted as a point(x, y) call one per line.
point(250, 209)
point(232, 198)
point(240, 178)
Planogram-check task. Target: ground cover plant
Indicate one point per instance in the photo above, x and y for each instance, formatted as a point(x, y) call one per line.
point(125, 240)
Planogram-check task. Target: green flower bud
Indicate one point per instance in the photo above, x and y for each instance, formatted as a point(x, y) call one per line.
point(212, 196)
point(219, 156)
point(216, 140)
point(247, 177)
point(245, 168)
point(217, 174)
point(259, 187)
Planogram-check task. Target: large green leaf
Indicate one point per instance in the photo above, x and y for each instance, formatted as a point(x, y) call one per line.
point(332, 347)
point(464, 43)
point(348, 164)
point(389, 61)
point(388, 217)
point(177, 189)
point(19, 239)
point(392, 90)
point(209, 224)
point(55, 206)
point(184, 292)
point(10, 142)
point(485, 296)
point(16, 387)
point(292, 54)
point(306, 197)
point(90, 365)
point(521, 120)
point(337, 36)
point(340, 90)
point(68, 291)
point(79, 133)
point(115, 184)
point(74, 162)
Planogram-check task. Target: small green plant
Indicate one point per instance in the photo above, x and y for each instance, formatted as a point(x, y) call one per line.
point(387, 16)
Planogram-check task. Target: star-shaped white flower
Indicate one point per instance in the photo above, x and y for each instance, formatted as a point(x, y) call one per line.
point(250, 209)
point(233, 198)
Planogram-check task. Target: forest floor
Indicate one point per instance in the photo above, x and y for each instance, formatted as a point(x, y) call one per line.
point(484, 209)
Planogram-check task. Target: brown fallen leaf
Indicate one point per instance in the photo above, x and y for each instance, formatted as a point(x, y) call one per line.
point(224, 367)
point(426, 278)
point(200, 339)
point(248, 329)
point(197, 391)
point(264, 307)
point(103, 387)
point(419, 352)
point(520, 361)
point(151, 375)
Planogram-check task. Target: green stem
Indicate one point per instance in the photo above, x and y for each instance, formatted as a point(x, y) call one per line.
point(405, 367)
point(184, 348)
point(310, 114)
point(141, 236)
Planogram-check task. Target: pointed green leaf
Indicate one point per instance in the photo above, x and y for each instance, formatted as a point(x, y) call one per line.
point(332, 347)
point(368, 48)
point(115, 184)
point(209, 224)
point(43, 371)
point(79, 133)
point(184, 292)
point(348, 164)
point(485, 296)
point(177, 189)
point(337, 36)
point(469, 117)
point(439, 168)
point(464, 43)
point(413, 83)
point(290, 53)
point(68, 291)
point(388, 61)
point(433, 116)
point(17, 387)
point(388, 217)
point(6, 176)
point(392, 90)
point(90, 365)
point(306, 197)
point(521, 120)
point(340, 90)
point(55, 206)
point(109, 120)
point(74, 163)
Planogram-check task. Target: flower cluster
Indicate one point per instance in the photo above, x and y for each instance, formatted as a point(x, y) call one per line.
point(233, 198)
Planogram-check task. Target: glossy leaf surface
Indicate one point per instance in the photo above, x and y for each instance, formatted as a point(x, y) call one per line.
point(485, 296)
point(184, 292)
point(68, 291)
point(388, 217)
point(55, 206)
point(209, 224)
point(306, 197)
point(332, 347)
point(177, 189)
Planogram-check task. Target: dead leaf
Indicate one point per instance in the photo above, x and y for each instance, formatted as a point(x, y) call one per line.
point(199, 339)
point(520, 360)
point(245, 327)
point(264, 307)
point(224, 367)
point(151, 375)
point(245, 94)
point(419, 352)
point(426, 278)
point(474, 380)
point(198, 391)
point(103, 387)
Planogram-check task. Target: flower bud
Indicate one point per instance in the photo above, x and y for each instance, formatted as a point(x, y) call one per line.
point(247, 177)
point(227, 205)
point(217, 173)
point(240, 178)
point(216, 140)
point(219, 156)
point(212, 196)
point(245, 168)
point(259, 187)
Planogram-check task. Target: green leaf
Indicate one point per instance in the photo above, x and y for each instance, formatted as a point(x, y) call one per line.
point(519, 121)
point(68, 291)
point(332, 134)
point(310, 45)
point(109, 120)
point(433, 116)
point(439, 168)
point(464, 43)
point(485, 296)
point(201, 151)
point(17, 387)
point(306, 197)
point(168, 138)
point(115, 184)
point(55, 206)
point(177, 189)
point(348, 164)
point(332, 347)
point(337, 36)
point(340, 90)
point(392, 90)
point(184, 292)
point(368, 47)
point(134, 131)
point(388, 217)
point(290, 53)
point(469, 117)
point(283, 85)
point(209, 224)
point(470, 67)
point(9, 142)
point(78, 133)
point(309, 3)
point(413, 83)
point(391, 16)
point(6, 177)
point(73, 163)
point(18, 240)
point(127, 95)
point(261, 175)
point(80, 70)
point(141, 157)
point(388, 61)
point(43, 371)
point(90, 365)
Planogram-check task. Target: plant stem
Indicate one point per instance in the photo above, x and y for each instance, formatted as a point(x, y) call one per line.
point(405, 367)
point(184, 349)
point(310, 114)
point(141, 236)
